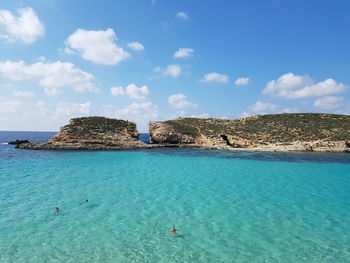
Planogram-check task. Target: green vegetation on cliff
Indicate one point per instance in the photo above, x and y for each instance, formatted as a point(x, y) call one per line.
point(287, 127)
point(99, 125)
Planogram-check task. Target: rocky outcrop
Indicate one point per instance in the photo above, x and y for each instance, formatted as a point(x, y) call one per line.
point(162, 133)
point(278, 132)
point(92, 133)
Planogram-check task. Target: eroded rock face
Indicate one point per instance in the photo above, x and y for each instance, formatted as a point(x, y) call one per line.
point(278, 132)
point(162, 133)
point(92, 133)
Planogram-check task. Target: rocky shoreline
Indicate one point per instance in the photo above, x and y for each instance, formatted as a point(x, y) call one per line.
point(92, 133)
point(307, 132)
point(328, 133)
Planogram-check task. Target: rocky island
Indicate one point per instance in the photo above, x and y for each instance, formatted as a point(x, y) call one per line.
point(275, 132)
point(92, 133)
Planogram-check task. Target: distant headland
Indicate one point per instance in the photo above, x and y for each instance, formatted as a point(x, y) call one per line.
point(275, 132)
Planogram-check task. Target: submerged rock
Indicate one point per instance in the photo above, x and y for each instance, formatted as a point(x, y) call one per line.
point(92, 133)
point(18, 142)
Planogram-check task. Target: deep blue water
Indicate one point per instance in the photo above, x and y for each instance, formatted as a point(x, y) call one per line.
point(227, 206)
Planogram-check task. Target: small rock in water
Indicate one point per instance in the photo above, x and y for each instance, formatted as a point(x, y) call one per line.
point(18, 142)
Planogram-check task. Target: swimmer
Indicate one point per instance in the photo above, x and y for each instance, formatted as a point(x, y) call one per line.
point(173, 230)
point(84, 202)
point(57, 210)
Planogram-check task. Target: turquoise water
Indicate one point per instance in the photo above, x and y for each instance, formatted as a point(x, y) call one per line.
point(227, 207)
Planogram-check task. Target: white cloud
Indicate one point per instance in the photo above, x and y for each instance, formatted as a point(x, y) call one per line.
point(117, 91)
point(262, 107)
point(41, 104)
point(242, 81)
point(141, 113)
point(12, 106)
point(157, 69)
point(26, 27)
point(41, 58)
point(289, 110)
point(294, 87)
point(52, 91)
point(137, 93)
point(201, 115)
point(328, 102)
point(139, 108)
point(136, 46)
point(215, 77)
point(182, 15)
point(72, 109)
point(18, 93)
point(68, 51)
point(179, 101)
point(97, 46)
point(183, 53)
point(173, 70)
point(57, 74)
point(132, 91)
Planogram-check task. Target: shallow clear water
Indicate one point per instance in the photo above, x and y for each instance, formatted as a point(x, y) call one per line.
point(227, 206)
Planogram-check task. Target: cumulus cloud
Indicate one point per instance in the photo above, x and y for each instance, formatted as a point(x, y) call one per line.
point(10, 107)
point(260, 108)
point(289, 110)
point(51, 75)
point(242, 81)
point(183, 53)
point(68, 51)
point(136, 46)
point(157, 69)
point(179, 101)
point(173, 70)
point(72, 109)
point(139, 108)
point(294, 87)
point(41, 104)
point(52, 91)
point(132, 91)
point(141, 113)
point(25, 27)
point(201, 115)
point(215, 77)
point(18, 93)
point(182, 15)
point(117, 91)
point(328, 102)
point(97, 46)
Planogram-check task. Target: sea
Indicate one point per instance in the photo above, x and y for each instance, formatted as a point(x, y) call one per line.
point(226, 206)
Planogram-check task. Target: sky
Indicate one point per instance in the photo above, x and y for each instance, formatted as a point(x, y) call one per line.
point(150, 60)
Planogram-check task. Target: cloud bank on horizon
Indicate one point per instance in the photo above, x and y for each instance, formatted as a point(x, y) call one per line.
point(167, 61)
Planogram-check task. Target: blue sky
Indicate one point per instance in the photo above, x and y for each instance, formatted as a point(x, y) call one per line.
point(145, 60)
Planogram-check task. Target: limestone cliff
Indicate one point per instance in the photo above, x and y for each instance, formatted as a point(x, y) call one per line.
point(278, 132)
point(92, 133)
